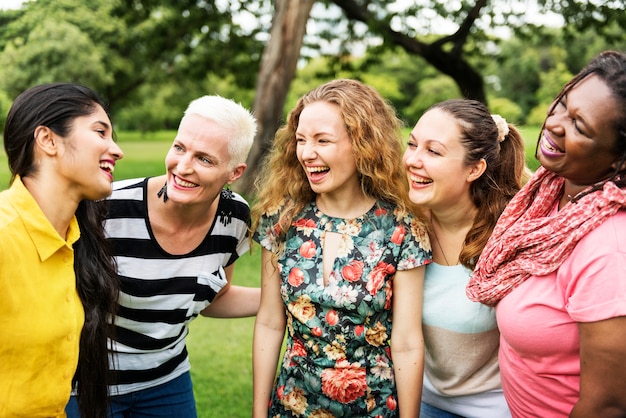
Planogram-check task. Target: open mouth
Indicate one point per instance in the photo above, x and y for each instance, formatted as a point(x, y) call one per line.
point(549, 148)
point(420, 180)
point(183, 183)
point(317, 172)
point(108, 167)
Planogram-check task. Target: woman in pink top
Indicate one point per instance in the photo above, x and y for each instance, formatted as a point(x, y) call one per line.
point(555, 266)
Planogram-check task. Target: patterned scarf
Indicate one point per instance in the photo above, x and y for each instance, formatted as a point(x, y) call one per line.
point(527, 241)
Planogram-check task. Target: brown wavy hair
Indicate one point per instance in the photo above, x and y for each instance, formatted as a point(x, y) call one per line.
point(504, 176)
point(375, 134)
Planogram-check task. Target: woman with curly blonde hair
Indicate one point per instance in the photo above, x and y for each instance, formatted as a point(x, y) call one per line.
point(338, 238)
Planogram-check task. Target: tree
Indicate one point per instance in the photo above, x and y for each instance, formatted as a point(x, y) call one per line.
point(278, 68)
point(450, 53)
point(118, 46)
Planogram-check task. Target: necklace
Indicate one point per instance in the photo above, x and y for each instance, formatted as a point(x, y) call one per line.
point(440, 248)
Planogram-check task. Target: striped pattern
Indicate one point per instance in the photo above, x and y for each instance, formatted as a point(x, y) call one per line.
point(162, 293)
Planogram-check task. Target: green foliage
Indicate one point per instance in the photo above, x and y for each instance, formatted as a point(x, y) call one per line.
point(551, 83)
point(431, 90)
point(506, 108)
point(129, 51)
point(5, 105)
point(58, 40)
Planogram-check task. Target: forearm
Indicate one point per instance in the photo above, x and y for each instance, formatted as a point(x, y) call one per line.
point(602, 369)
point(266, 351)
point(408, 368)
point(237, 302)
point(584, 409)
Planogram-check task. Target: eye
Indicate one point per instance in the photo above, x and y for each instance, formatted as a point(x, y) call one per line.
point(205, 160)
point(433, 151)
point(177, 147)
point(573, 120)
point(411, 144)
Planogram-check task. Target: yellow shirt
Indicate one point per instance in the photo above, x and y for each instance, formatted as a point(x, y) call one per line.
point(41, 316)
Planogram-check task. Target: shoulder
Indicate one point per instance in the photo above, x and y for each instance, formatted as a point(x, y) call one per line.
point(7, 213)
point(129, 184)
point(608, 237)
point(132, 189)
point(234, 203)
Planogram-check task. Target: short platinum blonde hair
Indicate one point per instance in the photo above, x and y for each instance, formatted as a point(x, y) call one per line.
point(229, 115)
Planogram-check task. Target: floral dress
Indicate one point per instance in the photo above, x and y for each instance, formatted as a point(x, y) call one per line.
point(337, 361)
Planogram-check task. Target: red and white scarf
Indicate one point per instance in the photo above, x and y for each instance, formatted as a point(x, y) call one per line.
point(526, 241)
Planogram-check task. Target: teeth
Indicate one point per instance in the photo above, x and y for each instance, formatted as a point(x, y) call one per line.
point(549, 146)
point(105, 165)
point(184, 183)
point(317, 169)
point(420, 180)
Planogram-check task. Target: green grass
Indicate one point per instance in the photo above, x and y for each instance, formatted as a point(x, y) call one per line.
point(220, 350)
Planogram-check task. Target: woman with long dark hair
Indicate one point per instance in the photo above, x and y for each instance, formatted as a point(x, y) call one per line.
point(58, 280)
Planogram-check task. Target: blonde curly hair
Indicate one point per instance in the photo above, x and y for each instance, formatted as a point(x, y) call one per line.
point(375, 134)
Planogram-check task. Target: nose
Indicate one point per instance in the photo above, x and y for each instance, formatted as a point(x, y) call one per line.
point(412, 158)
point(184, 164)
point(116, 151)
point(555, 120)
point(307, 151)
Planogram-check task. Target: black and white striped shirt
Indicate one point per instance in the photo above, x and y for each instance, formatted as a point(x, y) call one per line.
point(162, 293)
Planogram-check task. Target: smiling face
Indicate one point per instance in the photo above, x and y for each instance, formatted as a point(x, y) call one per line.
point(198, 162)
point(435, 162)
point(579, 139)
point(88, 155)
point(324, 150)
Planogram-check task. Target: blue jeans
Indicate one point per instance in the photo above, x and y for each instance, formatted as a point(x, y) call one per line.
point(173, 399)
point(429, 411)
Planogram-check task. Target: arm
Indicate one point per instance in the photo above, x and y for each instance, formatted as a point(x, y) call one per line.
point(234, 301)
point(269, 331)
point(407, 341)
point(602, 369)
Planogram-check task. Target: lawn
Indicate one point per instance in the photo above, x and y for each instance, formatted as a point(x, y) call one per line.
point(220, 349)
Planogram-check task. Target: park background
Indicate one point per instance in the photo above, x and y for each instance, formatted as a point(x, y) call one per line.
point(149, 58)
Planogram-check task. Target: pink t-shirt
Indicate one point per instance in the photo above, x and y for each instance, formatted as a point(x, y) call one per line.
point(539, 360)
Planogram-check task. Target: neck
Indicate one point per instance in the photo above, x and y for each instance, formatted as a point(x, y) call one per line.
point(448, 231)
point(46, 193)
point(344, 206)
point(455, 218)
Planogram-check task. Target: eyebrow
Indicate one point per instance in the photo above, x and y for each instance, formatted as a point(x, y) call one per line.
point(104, 124)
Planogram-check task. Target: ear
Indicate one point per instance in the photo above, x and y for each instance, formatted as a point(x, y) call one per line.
point(46, 140)
point(237, 172)
point(476, 170)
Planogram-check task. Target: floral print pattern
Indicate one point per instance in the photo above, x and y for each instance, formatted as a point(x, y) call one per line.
point(337, 361)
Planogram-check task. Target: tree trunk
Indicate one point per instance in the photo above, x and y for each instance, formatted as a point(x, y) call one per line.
point(278, 68)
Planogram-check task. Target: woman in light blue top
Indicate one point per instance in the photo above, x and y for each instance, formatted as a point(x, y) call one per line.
point(463, 165)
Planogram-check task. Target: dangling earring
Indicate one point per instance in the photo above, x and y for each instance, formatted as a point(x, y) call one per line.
point(163, 192)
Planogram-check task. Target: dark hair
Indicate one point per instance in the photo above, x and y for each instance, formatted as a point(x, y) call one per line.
point(503, 176)
point(610, 67)
point(56, 106)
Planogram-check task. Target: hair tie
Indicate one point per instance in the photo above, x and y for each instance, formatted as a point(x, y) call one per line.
point(503, 127)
